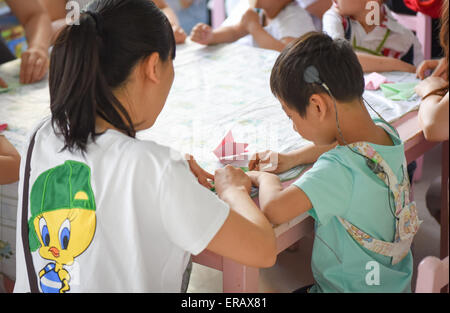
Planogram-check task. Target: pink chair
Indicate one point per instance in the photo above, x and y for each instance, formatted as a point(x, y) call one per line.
point(432, 275)
point(217, 13)
point(421, 25)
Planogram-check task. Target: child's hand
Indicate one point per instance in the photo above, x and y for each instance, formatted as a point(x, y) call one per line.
point(429, 85)
point(179, 34)
point(200, 173)
point(202, 34)
point(269, 161)
point(250, 20)
point(231, 178)
point(34, 65)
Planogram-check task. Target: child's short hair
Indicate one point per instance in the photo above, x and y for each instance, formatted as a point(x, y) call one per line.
point(337, 64)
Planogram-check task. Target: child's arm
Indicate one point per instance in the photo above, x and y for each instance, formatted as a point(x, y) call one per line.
point(250, 22)
point(180, 35)
point(280, 206)
point(372, 63)
point(246, 236)
point(36, 23)
point(205, 35)
point(319, 7)
point(273, 162)
point(9, 162)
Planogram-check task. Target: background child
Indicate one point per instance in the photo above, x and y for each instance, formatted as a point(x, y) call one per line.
point(386, 47)
point(9, 162)
point(340, 185)
point(57, 11)
point(278, 24)
point(120, 213)
point(35, 21)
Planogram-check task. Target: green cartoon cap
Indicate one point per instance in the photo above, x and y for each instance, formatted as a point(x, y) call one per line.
point(66, 186)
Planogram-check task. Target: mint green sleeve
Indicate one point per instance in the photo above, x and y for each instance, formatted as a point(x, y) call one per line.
point(329, 186)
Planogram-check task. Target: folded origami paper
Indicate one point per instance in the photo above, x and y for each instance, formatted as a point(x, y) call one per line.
point(374, 81)
point(399, 91)
point(3, 127)
point(229, 150)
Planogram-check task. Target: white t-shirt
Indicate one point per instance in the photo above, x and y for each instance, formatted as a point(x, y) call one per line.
point(401, 43)
point(292, 21)
point(150, 215)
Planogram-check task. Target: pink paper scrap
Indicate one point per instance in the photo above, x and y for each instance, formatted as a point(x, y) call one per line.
point(374, 81)
point(229, 150)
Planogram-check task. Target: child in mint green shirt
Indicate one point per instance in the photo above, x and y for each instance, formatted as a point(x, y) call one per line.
point(358, 189)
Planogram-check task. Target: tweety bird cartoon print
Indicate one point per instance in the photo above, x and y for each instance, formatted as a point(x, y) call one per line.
point(63, 221)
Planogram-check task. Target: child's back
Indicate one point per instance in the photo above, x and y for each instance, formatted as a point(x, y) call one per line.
point(272, 26)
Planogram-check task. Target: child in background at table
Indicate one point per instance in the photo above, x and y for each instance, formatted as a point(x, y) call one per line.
point(9, 162)
point(386, 47)
point(134, 212)
point(346, 191)
point(57, 11)
point(279, 22)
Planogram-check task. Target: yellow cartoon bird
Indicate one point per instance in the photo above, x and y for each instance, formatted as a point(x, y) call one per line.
point(63, 221)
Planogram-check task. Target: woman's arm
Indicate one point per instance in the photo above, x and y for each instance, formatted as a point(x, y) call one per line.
point(38, 31)
point(9, 162)
point(246, 236)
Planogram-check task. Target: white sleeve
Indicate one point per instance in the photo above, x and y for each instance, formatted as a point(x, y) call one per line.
point(305, 3)
point(295, 23)
point(332, 24)
point(192, 215)
point(418, 52)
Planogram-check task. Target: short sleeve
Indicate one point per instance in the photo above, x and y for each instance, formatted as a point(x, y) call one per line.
point(328, 185)
point(332, 24)
point(192, 215)
point(294, 23)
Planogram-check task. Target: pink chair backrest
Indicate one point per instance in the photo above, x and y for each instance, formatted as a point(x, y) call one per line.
point(432, 275)
point(421, 25)
point(218, 13)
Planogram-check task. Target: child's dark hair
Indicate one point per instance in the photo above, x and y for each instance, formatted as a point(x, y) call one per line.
point(93, 58)
point(337, 64)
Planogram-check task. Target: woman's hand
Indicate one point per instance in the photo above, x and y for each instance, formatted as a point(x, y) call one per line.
point(3, 84)
point(429, 85)
point(35, 62)
point(270, 161)
point(200, 173)
point(230, 178)
point(438, 68)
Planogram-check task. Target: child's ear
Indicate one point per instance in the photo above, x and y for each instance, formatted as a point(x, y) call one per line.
point(318, 106)
point(151, 67)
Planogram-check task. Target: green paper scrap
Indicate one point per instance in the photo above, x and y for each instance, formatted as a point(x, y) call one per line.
point(4, 90)
point(399, 91)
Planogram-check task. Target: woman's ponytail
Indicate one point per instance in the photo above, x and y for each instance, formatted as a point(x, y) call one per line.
point(89, 60)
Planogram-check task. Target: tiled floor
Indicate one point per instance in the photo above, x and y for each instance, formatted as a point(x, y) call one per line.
point(292, 269)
